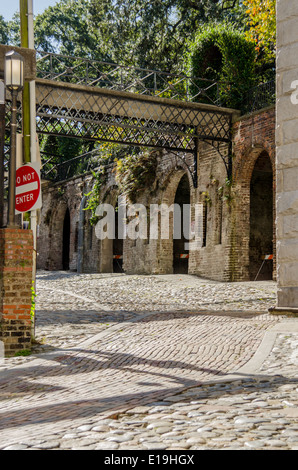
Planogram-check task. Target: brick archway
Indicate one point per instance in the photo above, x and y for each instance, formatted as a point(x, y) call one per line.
point(171, 183)
point(55, 258)
point(66, 241)
point(180, 248)
point(261, 218)
point(111, 248)
point(245, 163)
point(241, 226)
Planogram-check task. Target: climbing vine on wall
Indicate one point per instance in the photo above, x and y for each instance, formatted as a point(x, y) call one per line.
point(93, 197)
point(225, 191)
point(136, 173)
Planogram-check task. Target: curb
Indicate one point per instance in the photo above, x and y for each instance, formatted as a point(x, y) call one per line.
point(253, 366)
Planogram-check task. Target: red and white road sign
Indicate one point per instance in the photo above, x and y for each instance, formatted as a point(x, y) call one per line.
point(28, 188)
point(266, 257)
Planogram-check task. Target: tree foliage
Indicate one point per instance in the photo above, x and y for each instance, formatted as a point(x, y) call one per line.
point(4, 31)
point(221, 53)
point(63, 147)
point(146, 33)
point(136, 173)
point(168, 35)
point(66, 28)
point(10, 30)
point(153, 33)
point(262, 25)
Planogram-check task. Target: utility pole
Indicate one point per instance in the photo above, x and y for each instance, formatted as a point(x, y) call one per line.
point(2, 137)
point(29, 113)
point(29, 100)
point(26, 91)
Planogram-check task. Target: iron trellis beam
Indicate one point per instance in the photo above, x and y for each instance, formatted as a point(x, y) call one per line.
point(95, 114)
point(226, 152)
point(192, 168)
point(127, 118)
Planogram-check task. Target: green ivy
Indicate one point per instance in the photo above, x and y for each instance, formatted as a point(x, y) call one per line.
point(24, 352)
point(33, 303)
point(221, 53)
point(136, 173)
point(225, 191)
point(93, 197)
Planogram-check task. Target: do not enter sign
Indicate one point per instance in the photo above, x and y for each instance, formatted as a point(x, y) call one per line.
point(28, 194)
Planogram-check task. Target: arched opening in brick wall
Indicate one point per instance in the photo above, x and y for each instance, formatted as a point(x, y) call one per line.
point(261, 218)
point(172, 192)
point(181, 223)
point(111, 250)
point(106, 256)
point(117, 247)
point(66, 241)
point(60, 227)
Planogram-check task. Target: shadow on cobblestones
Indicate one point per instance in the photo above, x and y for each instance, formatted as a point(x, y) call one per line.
point(79, 317)
point(87, 317)
point(165, 316)
point(56, 275)
point(126, 362)
point(70, 364)
point(112, 406)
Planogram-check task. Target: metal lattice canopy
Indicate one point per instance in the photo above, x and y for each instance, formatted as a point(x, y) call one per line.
point(98, 101)
point(129, 118)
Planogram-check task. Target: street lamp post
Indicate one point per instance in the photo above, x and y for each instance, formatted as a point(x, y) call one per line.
point(14, 82)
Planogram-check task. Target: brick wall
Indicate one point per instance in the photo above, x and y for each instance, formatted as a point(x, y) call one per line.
point(2, 139)
point(57, 199)
point(212, 260)
point(225, 255)
point(253, 135)
point(16, 259)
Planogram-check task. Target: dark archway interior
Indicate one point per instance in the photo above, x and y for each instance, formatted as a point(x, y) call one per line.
point(261, 219)
point(66, 241)
point(117, 247)
point(180, 251)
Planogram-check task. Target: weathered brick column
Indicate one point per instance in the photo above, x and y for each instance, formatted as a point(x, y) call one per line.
point(16, 262)
point(287, 157)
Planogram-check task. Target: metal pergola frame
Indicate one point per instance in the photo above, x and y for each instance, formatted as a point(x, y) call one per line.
point(97, 101)
point(111, 116)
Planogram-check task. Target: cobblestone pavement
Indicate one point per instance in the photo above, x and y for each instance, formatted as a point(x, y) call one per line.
point(153, 362)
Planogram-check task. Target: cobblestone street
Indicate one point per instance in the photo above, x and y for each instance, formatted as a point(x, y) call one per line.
point(72, 308)
point(149, 228)
point(153, 362)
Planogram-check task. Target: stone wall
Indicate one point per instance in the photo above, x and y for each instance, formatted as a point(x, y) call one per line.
point(287, 154)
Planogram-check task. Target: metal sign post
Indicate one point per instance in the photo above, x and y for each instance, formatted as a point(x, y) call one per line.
point(2, 137)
